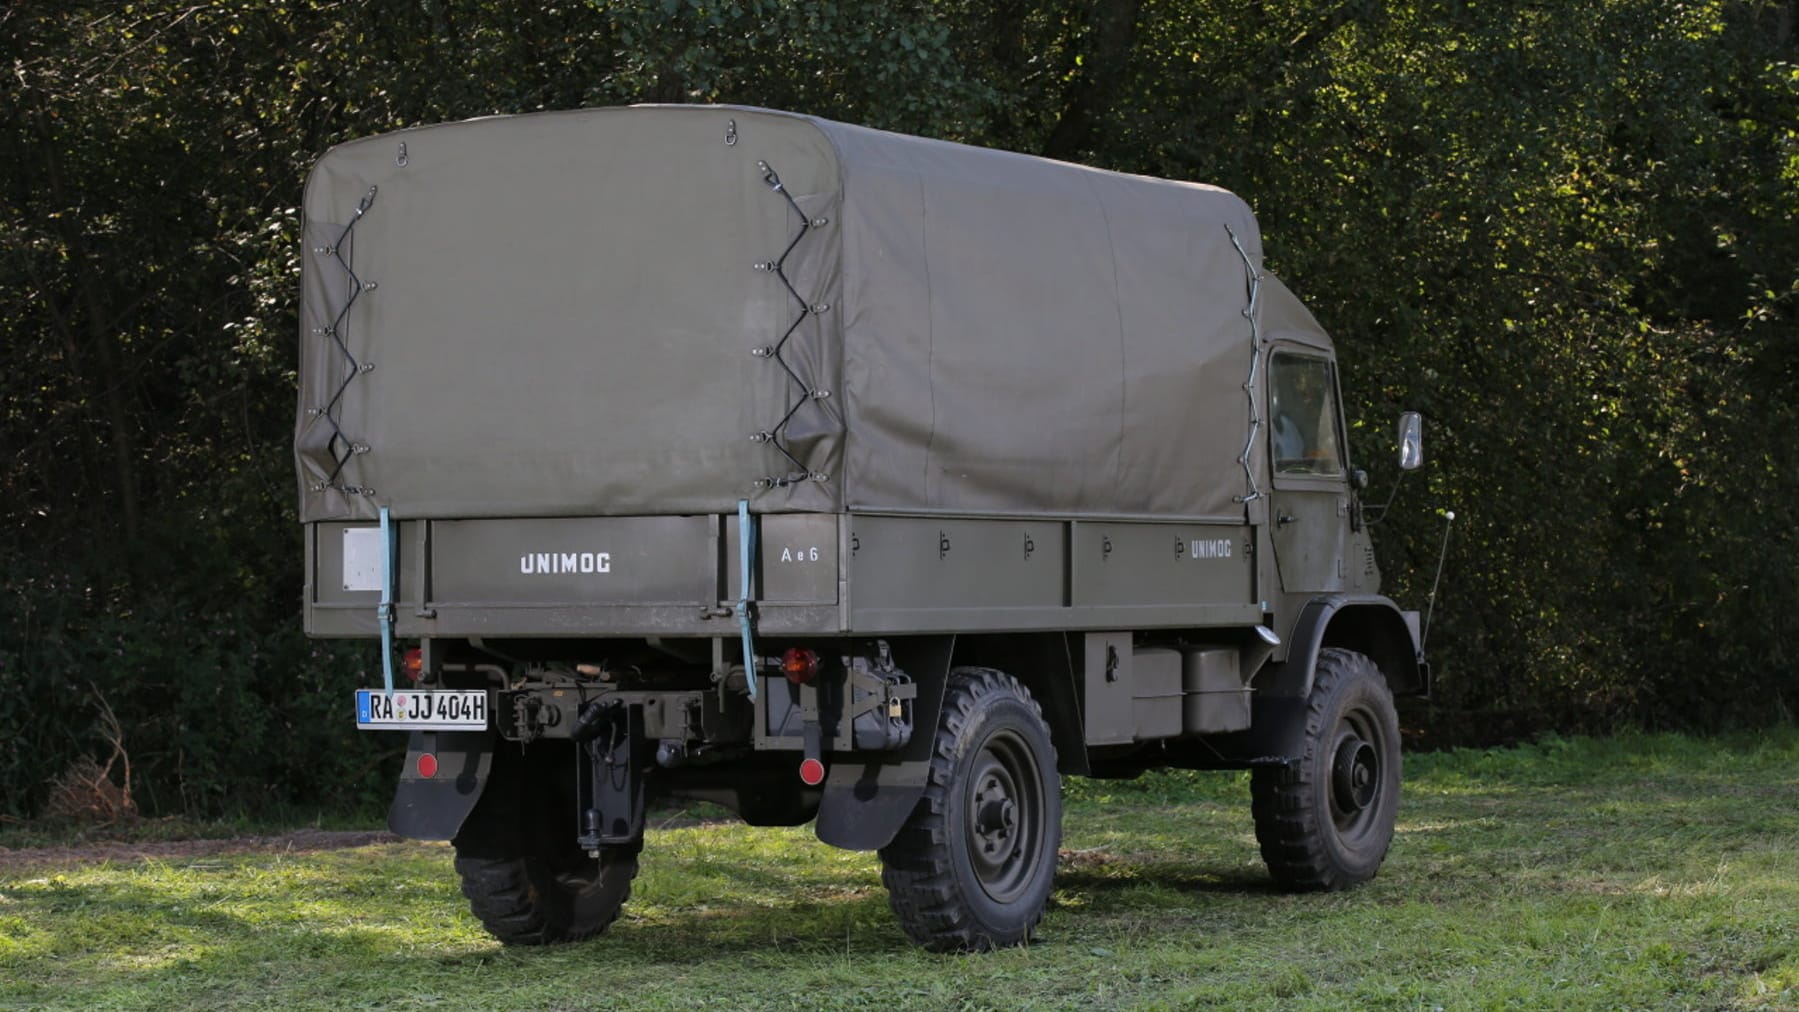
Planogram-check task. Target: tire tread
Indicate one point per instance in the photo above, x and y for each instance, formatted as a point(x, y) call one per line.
point(916, 867)
point(520, 902)
point(1289, 824)
point(511, 849)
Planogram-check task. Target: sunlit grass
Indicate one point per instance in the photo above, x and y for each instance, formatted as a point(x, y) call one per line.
point(1641, 872)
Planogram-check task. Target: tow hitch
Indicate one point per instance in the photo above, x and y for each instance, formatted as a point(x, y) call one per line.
point(609, 772)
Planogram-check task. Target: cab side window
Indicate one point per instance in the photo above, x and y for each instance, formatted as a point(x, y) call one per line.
point(1303, 396)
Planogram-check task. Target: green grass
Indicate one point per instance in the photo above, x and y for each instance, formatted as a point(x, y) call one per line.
point(1638, 872)
point(62, 833)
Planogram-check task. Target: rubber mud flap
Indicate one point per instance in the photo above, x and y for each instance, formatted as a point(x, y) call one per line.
point(437, 794)
point(865, 804)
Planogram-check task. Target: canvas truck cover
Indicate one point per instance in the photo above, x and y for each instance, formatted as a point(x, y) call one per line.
point(664, 310)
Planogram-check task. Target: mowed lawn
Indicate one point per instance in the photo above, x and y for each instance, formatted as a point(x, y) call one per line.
point(1638, 872)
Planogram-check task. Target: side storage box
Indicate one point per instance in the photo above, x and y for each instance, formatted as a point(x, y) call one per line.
point(1215, 698)
point(1156, 692)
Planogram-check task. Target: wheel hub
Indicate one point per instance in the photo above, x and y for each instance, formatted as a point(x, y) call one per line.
point(995, 815)
point(1354, 774)
point(1004, 825)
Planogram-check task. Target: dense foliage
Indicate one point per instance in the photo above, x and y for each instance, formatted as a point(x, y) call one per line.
point(1569, 233)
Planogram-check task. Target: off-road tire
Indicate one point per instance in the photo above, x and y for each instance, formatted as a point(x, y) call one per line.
point(526, 879)
point(973, 866)
point(1325, 823)
point(524, 901)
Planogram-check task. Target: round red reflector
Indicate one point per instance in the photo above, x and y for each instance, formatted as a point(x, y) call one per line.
point(812, 772)
point(427, 765)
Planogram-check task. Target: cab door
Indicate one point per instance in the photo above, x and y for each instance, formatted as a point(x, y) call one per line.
point(1310, 502)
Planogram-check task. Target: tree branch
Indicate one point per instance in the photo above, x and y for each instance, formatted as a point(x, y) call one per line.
point(1096, 83)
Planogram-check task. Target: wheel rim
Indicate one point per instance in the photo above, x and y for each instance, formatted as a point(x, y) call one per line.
point(1005, 817)
point(1357, 775)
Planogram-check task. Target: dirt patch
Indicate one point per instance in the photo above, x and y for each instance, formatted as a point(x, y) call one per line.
point(178, 850)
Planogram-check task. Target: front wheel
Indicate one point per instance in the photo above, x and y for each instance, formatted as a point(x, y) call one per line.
point(1326, 821)
point(973, 866)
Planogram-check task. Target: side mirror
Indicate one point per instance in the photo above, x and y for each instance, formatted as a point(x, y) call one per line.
point(1411, 441)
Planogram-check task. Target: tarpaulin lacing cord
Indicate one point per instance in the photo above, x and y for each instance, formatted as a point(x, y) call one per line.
point(341, 447)
point(390, 546)
point(746, 550)
point(776, 435)
point(1252, 312)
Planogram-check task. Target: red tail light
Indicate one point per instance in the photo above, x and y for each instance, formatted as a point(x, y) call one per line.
point(413, 664)
point(799, 665)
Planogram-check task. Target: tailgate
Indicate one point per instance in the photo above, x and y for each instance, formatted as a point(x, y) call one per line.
point(574, 576)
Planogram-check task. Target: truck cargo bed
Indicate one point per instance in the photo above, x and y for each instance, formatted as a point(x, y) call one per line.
point(814, 574)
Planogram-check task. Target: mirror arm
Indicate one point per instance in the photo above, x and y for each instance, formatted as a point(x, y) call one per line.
point(1380, 512)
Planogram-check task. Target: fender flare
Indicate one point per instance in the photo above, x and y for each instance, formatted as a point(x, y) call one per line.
point(866, 802)
point(1366, 623)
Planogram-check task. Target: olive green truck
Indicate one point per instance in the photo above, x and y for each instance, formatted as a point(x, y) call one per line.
point(829, 475)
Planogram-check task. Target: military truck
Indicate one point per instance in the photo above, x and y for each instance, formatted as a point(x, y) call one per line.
point(829, 475)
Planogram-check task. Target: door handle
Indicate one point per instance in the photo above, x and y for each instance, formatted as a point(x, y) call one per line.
point(1284, 519)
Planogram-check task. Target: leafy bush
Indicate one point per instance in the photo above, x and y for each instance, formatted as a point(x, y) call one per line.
point(1568, 234)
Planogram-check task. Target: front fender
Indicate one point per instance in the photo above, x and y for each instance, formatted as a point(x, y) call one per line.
point(1366, 623)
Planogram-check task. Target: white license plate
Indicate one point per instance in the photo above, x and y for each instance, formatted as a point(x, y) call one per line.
point(421, 710)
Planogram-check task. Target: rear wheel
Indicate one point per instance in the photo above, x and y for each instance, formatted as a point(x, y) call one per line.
point(1326, 822)
point(525, 878)
point(974, 864)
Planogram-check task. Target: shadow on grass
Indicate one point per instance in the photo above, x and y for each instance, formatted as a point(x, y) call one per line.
point(688, 936)
point(120, 943)
point(1085, 874)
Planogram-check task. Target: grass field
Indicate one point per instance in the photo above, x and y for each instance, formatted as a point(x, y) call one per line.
point(1640, 872)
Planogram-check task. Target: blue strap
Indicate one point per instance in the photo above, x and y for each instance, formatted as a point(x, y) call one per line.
point(746, 550)
point(390, 547)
